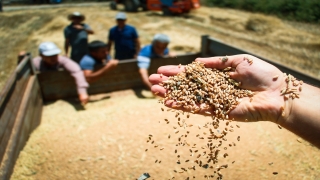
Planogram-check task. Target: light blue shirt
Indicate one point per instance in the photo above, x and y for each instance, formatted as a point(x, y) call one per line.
point(88, 62)
point(146, 54)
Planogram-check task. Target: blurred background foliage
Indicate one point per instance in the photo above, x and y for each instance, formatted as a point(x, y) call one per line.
point(298, 10)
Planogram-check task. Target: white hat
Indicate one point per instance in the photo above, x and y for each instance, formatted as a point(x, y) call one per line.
point(48, 49)
point(121, 15)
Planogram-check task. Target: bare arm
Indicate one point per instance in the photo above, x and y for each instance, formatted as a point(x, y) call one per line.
point(89, 31)
point(84, 28)
point(66, 46)
point(109, 44)
point(138, 47)
point(78, 75)
point(92, 76)
point(304, 115)
point(145, 77)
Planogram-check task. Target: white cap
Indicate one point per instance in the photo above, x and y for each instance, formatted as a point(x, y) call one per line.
point(121, 15)
point(48, 49)
point(161, 38)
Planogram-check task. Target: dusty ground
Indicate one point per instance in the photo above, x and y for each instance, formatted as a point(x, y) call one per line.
point(293, 44)
point(108, 141)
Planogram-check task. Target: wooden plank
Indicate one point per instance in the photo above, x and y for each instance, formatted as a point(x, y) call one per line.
point(11, 98)
point(38, 105)
point(6, 92)
point(11, 102)
point(26, 120)
point(204, 45)
point(218, 48)
point(59, 84)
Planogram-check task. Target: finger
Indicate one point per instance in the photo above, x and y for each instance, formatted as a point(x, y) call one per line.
point(170, 70)
point(221, 62)
point(157, 78)
point(158, 90)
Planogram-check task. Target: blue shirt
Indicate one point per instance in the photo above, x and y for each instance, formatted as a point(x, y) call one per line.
point(88, 62)
point(124, 40)
point(78, 40)
point(146, 54)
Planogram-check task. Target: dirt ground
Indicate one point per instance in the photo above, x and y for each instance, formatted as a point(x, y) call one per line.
point(108, 141)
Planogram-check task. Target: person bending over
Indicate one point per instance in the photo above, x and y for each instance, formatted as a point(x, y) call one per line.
point(50, 60)
point(98, 55)
point(300, 115)
point(157, 49)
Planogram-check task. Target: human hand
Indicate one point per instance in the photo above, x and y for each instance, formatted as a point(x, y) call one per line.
point(113, 62)
point(258, 76)
point(84, 98)
point(172, 54)
point(21, 55)
point(78, 26)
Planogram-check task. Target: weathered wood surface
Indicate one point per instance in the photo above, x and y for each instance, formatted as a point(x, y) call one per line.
point(20, 113)
point(10, 101)
point(214, 47)
point(59, 84)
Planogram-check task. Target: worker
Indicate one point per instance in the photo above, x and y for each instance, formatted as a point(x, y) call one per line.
point(157, 49)
point(50, 60)
point(76, 36)
point(301, 115)
point(98, 55)
point(125, 39)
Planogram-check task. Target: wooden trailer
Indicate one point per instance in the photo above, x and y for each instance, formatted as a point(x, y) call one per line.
point(22, 99)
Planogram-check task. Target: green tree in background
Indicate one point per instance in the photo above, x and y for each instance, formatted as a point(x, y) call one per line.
point(299, 10)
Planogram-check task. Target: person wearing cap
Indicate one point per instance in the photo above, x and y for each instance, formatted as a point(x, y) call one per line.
point(98, 56)
point(157, 49)
point(76, 36)
point(125, 39)
point(50, 60)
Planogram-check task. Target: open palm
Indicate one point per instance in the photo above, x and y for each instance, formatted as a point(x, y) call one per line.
point(265, 80)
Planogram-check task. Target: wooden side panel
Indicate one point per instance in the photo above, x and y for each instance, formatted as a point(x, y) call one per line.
point(59, 84)
point(26, 120)
point(10, 106)
point(217, 48)
point(20, 113)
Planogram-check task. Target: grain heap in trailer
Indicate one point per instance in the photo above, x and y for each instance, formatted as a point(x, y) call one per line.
point(22, 99)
